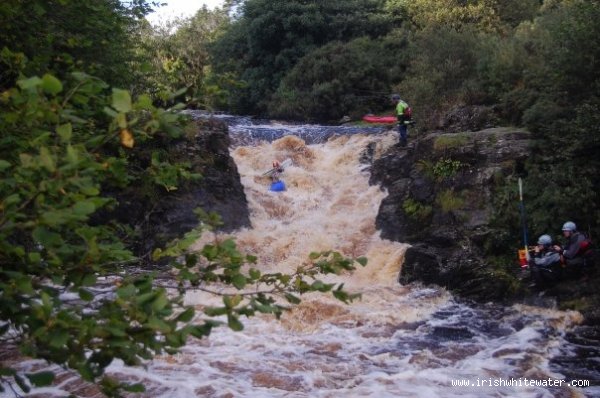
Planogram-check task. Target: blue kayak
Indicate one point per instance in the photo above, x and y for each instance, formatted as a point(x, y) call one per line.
point(277, 186)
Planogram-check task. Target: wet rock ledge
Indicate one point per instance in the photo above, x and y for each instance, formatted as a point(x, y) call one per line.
point(160, 216)
point(440, 201)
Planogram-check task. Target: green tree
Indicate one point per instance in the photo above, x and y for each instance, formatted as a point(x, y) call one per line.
point(547, 78)
point(335, 80)
point(269, 38)
point(59, 36)
point(566, 115)
point(513, 13)
point(175, 56)
point(486, 15)
point(68, 142)
point(442, 72)
point(452, 13)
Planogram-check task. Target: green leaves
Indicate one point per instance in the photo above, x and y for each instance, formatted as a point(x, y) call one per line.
point(121, 100)
point(292, 298)
point(84, 208)
point(239, 281)
point(362, 261)
point(48, 83)
point(58, 150)
point(78, 212)
point(47, 160)
point(58, 338)
point(51, 84)
point(126, 292)
point(135, 388)
point(86, 295)
point(186, 315)
point(65, 131)
point(30, 83)
point(41, 379)
point(46, 237)
point(234, 323)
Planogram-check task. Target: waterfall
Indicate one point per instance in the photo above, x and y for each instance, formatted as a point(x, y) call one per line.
point(397, 341)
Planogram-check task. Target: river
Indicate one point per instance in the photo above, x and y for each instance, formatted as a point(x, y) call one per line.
point(397, 341)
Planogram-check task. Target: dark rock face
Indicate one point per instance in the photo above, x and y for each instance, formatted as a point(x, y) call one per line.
point(440, 201)
point(440, 193)
point(220, 189)
point(168, 215)
point(469, 118)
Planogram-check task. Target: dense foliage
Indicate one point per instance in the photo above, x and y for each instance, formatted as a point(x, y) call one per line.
point(65, 35)
point(68, 294)
point(174, 56)
point(270, 37)
point(336, 79)
point(552, 88)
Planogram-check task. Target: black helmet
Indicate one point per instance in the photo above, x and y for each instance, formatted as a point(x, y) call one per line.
point(395, 97)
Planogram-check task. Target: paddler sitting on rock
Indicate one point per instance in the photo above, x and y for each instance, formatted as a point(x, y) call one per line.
point(545, 263)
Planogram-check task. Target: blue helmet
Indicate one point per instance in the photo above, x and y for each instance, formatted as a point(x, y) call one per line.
point(569, 226)
point(545, 240)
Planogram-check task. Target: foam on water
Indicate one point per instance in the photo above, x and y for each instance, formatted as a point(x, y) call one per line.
point(247, 131)
point(328, 205)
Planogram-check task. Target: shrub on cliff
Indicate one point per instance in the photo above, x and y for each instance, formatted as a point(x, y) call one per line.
point(552, 88)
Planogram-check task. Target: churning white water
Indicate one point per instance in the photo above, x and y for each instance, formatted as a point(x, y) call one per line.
point(398, 341)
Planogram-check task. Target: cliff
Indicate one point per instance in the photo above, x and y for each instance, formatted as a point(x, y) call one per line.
point(440, 201)
point(158, 216)
point(442, 189)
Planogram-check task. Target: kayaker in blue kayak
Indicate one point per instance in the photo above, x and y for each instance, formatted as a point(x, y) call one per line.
point(277, 185)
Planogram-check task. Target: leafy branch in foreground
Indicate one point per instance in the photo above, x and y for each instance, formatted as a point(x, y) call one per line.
point(220, 269)
point(66, 294)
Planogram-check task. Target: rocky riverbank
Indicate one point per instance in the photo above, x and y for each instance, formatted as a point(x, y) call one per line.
point(441, 195)
point(159, 216)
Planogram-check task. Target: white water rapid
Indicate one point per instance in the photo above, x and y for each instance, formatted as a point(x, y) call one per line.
point(398, 341)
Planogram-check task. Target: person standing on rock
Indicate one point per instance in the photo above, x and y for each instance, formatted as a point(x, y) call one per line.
point(404, 114)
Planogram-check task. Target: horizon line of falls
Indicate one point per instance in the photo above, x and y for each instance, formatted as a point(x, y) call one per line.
point(397, 341)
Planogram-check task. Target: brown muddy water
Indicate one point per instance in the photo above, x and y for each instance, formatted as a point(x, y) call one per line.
point(398, 341)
